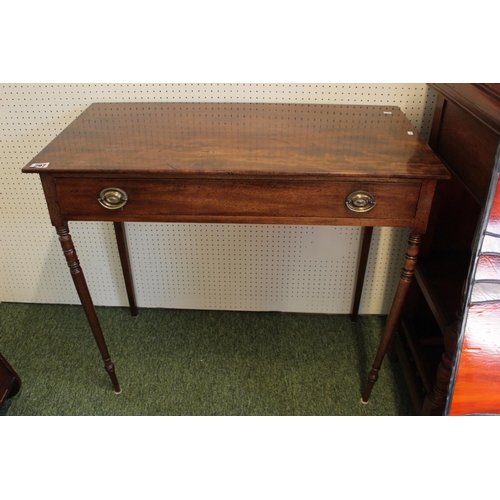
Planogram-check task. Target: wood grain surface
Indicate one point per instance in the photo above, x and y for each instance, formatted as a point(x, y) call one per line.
point(180, 139)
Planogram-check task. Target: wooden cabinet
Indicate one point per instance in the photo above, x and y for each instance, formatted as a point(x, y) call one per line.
point(10, 383)
point(465, 135)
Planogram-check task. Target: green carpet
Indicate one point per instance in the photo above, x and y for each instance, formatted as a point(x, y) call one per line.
point(186, 362)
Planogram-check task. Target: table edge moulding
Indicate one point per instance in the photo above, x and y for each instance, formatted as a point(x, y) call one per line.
point(240, 163)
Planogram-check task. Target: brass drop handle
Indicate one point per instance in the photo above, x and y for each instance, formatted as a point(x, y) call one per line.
point(113, 198)
point(360, 201)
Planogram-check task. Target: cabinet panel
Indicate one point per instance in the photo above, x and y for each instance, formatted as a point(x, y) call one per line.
point(468, 147)
point(465, 134)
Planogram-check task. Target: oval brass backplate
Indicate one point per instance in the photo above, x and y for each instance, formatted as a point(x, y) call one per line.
point(360, 201)
point(113, 198)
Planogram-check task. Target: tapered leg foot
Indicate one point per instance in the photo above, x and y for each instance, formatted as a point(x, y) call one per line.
point(372, 378)
point(390, 326)
point(86, 300)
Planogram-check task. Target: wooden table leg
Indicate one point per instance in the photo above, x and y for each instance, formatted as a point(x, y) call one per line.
point(121, 240)
point(392, 319)
point(366, 237)
point(86, 300)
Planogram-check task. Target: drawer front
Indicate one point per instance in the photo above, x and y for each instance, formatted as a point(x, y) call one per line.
point(189, 199)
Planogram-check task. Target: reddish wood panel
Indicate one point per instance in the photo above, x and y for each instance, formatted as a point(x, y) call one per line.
point(494, 218)
point(476, 388)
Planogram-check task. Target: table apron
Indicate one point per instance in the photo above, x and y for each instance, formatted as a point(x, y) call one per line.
point(239, 201)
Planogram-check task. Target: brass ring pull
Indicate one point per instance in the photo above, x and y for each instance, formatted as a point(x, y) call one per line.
point(113, 198)
point(360, 201)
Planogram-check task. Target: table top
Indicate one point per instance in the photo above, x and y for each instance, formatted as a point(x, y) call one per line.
point(241, 139)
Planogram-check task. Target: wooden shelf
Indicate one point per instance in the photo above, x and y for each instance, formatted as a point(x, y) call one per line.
point(419, 360)
point(441, 277)
point(419, 345)
point(410, 372)
point(437, 295)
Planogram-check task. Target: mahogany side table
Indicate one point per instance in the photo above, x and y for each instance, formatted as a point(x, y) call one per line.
point(239, 164)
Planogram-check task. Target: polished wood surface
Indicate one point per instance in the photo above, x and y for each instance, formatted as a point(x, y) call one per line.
point(238, 163)
point(203, 139)
point(475, 388)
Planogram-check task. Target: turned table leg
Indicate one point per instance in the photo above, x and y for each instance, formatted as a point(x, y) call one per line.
point(121, 240)
point(397, 304)
point(86, 300)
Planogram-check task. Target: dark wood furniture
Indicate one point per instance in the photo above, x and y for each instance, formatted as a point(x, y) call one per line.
point(243, 164)
point(465, 135)
point(10, 382)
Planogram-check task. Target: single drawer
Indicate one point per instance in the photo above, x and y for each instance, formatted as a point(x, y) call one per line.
point(192, 199)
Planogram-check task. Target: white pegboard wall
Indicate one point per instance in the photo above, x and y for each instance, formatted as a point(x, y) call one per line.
point(254, 267)
point(290, 268)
